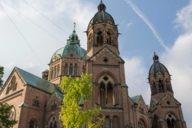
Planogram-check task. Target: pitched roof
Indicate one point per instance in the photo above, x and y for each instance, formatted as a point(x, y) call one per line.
point(37, 82)
point(136, 99)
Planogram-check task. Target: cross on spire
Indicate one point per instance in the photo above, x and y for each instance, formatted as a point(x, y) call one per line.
point(74, 25)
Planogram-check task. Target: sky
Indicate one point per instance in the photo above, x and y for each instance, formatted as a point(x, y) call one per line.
point(32, 30)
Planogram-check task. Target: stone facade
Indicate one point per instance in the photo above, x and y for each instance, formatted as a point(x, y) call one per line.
point(36, 100)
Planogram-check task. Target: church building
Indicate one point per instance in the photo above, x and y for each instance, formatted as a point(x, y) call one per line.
point(36, 100)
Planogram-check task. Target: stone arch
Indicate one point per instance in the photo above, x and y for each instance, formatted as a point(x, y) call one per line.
point(171, 120)
point(12, 114)
point(33, 123)
point(99, 38)
point(142, 123)
point(115, 122)
point(107, 123)
point(53, 122)
point(98, 76)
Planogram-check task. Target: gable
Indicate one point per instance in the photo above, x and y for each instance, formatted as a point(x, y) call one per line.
point(168, 100)
point(106, 56)
point(13, 84)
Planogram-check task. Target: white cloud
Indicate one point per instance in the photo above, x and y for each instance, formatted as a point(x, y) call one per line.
point(184, 18)
point(179, 63)
point(136, 78)
point(43, 23)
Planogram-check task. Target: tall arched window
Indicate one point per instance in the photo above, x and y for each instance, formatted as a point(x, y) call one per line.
point(66, 69)
point(71, 69)
point(102, 94)
point(141, 124)
point(12, 85)
point(109, 38)
point(107, 96)
point(161, 86)
point(99, 38)
point(171, 121)
point(75, 70)
point(33, 123)
point(58, 71)
point(54, 72)
point(107, 123)
point(115, 122)
point(53, 122)
point(51, 73)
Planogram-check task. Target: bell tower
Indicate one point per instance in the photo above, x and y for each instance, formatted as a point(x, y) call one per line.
point(107, 69)
point(165, 110)
point(102, 31)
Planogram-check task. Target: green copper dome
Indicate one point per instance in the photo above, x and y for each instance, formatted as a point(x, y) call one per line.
point(72, 47)
point(102, 16)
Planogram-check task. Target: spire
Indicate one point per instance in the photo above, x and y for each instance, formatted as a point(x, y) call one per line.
point(155, 57)
point(73, 38)
point(74, 27)
point(101, 6)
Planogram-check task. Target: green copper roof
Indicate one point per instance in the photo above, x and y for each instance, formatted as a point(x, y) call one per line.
point(72, 46)
point(136, 99)
point(37, 82)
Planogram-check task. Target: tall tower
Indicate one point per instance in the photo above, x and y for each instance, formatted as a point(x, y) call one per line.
point(165, 110)
point(107, 69)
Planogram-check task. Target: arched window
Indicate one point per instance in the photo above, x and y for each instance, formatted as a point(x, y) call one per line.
point(58, 71)
point(115, 122)
point(161, 86)
point(66, 69)
point(12, 114)
point(53, 122)
point(141, 124)
point(107, 123)
point(110, 94)
point(54, 72)
point(51, 73)
point(99, 38)
point(71, 69)
point(109, 38)
point(102, 94)
point(171, 121)
point(12, 85)
point(107, 96)
point(33, 123)
point(75, 70)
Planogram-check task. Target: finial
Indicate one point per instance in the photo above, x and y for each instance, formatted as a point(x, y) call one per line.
point(74, 25)
point(155, 57)
point(101, 6)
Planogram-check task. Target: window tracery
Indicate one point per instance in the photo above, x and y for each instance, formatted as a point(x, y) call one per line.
point(171, 121)
point(53, 122)
point(33, 123)
point(108, 92)
point(12, 85)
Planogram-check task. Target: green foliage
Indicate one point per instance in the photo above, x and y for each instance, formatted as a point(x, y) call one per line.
point(5, 111)
point(1, 75)
point(77, 91)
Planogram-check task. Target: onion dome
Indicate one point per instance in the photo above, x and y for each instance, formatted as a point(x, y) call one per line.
point(157, 68)
point(102, 16)
point(72, 46)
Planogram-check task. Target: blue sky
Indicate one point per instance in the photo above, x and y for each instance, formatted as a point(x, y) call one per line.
point(32, 30)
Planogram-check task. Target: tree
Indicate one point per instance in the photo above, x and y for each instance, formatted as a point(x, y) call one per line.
point(77, 92)
point(5, 113)
point(1, 75)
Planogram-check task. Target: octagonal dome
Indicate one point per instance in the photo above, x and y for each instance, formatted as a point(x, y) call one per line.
point(72, 46)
